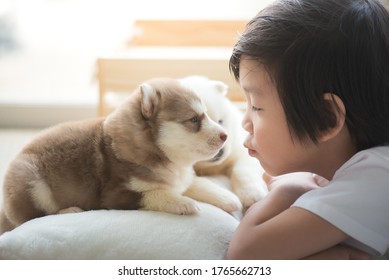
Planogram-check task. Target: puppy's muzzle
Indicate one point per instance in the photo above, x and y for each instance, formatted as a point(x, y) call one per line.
point(223, 137)
point(218, 140)
point(218, 156)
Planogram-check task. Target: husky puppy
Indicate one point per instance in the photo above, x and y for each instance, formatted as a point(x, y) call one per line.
point(140, 156)
point(232, 160)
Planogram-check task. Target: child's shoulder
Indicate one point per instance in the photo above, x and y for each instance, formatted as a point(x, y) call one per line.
point(375, 153)
point(371, 160)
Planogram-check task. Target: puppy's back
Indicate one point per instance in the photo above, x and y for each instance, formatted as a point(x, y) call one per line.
point(57, 169)
point(64, 145)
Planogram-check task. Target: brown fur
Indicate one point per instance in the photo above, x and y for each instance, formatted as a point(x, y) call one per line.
point(106, 163)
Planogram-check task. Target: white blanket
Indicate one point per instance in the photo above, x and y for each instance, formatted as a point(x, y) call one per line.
point(118, 234)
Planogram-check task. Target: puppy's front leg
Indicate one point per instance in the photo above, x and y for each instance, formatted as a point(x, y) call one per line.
point(168, 201)
point(246, 181)
point(203, 189)
point(73, 209)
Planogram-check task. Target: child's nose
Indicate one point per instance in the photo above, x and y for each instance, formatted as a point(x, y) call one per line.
point(246, 124)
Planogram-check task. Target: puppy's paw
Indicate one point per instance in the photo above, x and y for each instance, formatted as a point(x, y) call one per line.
point(73, 209)
point(186, 206)
point(248, 195)
point(179, 205)
point(228, 202)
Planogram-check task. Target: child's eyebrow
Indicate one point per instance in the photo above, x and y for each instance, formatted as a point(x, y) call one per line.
point(252, 89)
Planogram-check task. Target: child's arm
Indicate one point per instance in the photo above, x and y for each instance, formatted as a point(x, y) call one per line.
point(271, 229)
point(340, 252)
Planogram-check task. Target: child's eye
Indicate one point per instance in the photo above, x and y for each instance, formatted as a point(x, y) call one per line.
point(253, 108)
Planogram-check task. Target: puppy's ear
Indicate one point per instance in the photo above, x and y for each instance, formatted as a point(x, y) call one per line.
point(221, 87)
point(149, 100)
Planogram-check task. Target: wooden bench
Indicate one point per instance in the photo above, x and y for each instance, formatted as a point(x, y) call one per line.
point(170, 48)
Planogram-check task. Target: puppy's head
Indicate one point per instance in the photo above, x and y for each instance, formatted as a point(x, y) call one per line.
point(184, 131)
point(213, 93)
point(163, 116)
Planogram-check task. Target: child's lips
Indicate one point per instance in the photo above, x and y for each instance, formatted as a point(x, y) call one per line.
point(251, 151)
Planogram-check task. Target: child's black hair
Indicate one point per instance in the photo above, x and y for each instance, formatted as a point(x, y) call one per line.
point(312, 47)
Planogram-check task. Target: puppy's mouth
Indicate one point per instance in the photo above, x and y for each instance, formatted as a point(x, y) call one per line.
point(218, 156)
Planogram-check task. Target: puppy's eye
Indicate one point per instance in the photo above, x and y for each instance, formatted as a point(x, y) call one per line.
point(220, 121)
point(195, 119)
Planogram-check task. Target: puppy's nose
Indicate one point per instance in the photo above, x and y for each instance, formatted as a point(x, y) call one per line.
point(223, 137)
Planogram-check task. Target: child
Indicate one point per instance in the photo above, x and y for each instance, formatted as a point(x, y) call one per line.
point(316, 77)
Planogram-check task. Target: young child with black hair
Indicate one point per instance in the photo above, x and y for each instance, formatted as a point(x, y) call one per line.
point(316, 77)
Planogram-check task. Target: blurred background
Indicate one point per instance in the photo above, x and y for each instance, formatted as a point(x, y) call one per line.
point(48, 49)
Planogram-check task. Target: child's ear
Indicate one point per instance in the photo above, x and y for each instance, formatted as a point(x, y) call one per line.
point(339, 111)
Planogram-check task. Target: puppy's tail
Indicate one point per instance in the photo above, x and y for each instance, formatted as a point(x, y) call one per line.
point(5, 224)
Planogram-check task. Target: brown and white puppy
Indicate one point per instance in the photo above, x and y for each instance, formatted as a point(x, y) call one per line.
point(138, 157)
point(232, 160)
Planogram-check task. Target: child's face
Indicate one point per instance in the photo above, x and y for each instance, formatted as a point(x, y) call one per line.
point(269, 139)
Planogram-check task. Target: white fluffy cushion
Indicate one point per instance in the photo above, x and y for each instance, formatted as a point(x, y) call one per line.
point(118, 234)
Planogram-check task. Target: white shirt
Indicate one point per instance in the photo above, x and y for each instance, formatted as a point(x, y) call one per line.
point(357, 200)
